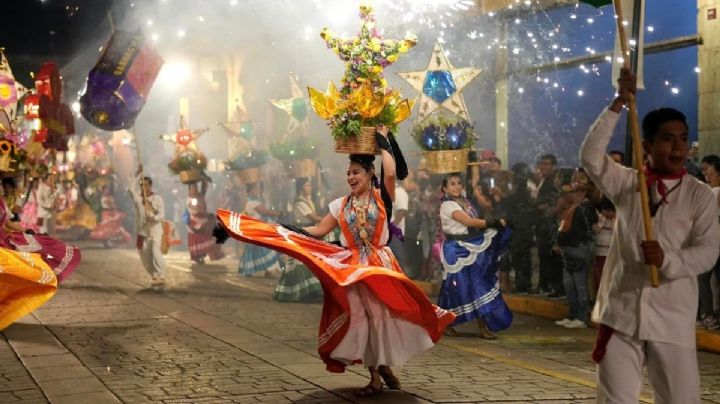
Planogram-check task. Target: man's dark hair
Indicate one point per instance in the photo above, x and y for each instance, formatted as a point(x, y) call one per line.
point(147, 180)
point(652, 121)
point(550, 157)
point(716, 165)
point(710, 159)
point(494, 159)
point(619, 153)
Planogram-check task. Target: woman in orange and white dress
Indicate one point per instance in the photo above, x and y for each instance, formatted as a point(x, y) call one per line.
point(373, 313)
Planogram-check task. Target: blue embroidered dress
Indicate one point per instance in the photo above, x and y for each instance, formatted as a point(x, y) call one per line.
point(470, 286)
point(255, 258)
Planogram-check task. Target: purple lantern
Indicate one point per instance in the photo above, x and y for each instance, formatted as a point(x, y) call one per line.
point(120, 82)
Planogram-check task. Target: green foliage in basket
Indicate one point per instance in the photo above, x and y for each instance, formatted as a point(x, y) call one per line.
point(247, 159)
point(441, 132)
point(187, 160)
point(295, 148)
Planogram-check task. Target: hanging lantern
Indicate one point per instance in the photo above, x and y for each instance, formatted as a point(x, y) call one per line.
point(120, 82)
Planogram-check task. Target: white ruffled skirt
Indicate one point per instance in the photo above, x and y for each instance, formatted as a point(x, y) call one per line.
point(376, 336)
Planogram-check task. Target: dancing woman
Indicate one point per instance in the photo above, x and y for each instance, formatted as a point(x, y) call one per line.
point(32, 266)
point(110, 229)
point(470, 256)
point(61, 258)
point(200, 223)
point(297, 282)
point(258, 260)
point(372, 313)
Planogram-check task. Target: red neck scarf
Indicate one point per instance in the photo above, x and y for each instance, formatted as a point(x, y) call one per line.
point(653, 177)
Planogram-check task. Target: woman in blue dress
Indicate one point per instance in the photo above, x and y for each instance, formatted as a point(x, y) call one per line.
point(258, 260)
point(470, 256)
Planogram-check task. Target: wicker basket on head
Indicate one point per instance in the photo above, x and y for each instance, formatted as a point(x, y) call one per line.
point(250, 175)
point(363, 144)
point(190, 176)
point(302, 168)
point(446, 161)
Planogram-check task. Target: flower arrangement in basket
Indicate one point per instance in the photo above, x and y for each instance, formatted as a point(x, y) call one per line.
point(92, 162)
point(297, 154)
point(365, 100)
point(247, 164)
point(445, 141)
point(189, 165)
point(12, 155)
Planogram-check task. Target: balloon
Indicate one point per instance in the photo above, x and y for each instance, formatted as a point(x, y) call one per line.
point(431, 137)
point(120, 82)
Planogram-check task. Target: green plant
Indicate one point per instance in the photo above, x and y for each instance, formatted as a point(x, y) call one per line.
point(443, 132)
point(295, 148)
point(247, 159)
point(187, 160)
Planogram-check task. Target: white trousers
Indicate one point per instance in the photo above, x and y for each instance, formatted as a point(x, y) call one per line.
point(672, 372)
point(152, 258)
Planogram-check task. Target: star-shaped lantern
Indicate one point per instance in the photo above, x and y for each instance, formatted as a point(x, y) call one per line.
point(441, 85)
point(296, 107)
point(240, 126)
point(184, 138)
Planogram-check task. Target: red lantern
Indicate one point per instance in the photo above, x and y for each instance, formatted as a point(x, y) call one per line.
point(48, 83)
point(183, 137)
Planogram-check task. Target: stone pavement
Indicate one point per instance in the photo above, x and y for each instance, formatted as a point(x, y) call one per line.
point(212, 336)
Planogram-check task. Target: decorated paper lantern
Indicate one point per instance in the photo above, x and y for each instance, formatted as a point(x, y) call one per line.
point(119, 84)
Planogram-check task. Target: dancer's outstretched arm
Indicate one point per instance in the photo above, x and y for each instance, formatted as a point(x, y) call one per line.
point(326, 225)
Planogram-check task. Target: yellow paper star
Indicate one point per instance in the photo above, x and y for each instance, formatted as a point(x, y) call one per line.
point(441, 85)
point(296, 107)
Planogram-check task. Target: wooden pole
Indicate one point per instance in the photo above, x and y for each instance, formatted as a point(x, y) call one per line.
point(637, 145)
point(142, 178)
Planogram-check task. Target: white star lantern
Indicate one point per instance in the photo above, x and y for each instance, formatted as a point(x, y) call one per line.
point(296, 107)
point(441, 85)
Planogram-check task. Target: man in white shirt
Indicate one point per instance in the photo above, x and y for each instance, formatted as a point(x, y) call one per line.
point(149, 214)
point(47, 196)
point(399, 211)
point(641, 324)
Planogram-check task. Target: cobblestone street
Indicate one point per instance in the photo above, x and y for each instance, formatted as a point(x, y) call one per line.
point(213, 336)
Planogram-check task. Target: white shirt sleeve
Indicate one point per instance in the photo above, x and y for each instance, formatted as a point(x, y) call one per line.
point(335, 207)
point(450, 225)
point(159, 205)
point(611, 178)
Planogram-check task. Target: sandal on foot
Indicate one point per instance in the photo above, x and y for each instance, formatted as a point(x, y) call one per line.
point(369, 390)
point(390, 380)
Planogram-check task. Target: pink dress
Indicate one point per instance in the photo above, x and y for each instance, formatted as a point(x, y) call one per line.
point(62, 258)
point(28, 217)
point(111, 227)
point(201, 242)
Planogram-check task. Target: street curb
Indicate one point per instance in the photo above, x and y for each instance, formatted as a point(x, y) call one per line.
point(558, 309)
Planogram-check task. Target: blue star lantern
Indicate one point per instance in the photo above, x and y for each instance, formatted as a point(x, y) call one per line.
point(441, 85)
